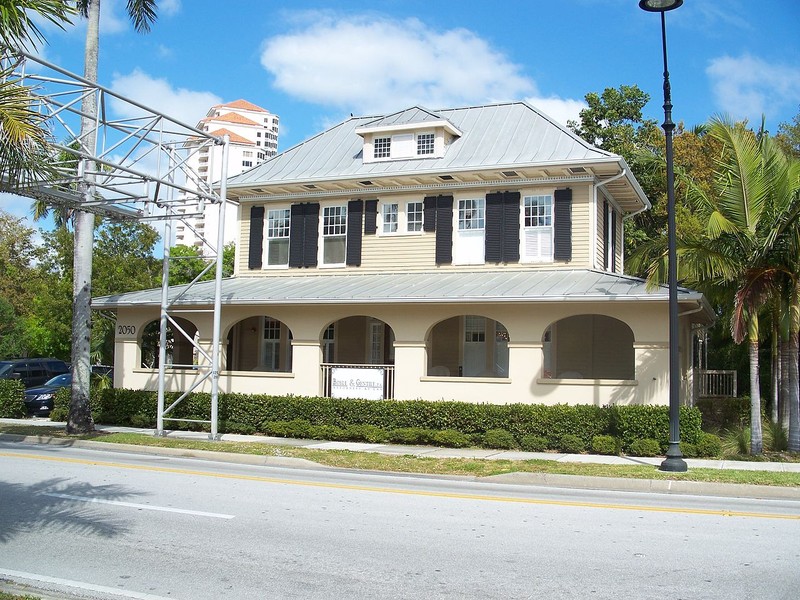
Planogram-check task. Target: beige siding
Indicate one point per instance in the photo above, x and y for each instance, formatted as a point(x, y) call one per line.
point(395, 253)
point(598, 241)
point(620, 249)
point(581, 235)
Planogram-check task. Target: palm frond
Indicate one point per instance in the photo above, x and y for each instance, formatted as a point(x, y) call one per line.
point(142, 14)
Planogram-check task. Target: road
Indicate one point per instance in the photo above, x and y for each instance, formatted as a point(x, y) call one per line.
point(116, 525)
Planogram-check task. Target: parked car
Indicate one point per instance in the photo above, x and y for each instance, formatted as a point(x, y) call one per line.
point(39, 400)
point(32, 371)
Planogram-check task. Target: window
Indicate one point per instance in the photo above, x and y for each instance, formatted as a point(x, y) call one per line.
point(278, 221)
point(334, 235)
point(389, 218)
point(414, 216)
point(258, 134)
point(382, 147)
point(271, 355)
point(247, 163)
point(471, 214)
point(328, 344)
point(425, 143)
point(538, 228)
point(247, 153)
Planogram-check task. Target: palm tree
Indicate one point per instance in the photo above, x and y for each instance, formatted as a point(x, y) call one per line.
point(749, 242)
point(24, 149)
point(142, 13)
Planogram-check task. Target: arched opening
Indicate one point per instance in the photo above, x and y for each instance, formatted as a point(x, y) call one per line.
point(358, 340)
point(589, 347)
point(181, 353)
point(259, 343)
point(468, 346)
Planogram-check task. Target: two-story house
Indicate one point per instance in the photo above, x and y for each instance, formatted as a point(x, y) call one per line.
point(470, 254)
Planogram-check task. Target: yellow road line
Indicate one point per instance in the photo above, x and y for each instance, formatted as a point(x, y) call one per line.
point(366, 488)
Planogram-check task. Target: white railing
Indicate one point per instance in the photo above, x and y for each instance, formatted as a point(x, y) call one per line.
point(717, 384)
point(327, 379)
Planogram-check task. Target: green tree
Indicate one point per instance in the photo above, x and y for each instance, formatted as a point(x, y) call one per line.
point(788, 136)
point(142, 14)
point(187, 262)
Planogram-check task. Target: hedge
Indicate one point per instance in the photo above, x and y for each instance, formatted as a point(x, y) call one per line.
point(12, 399)
point(261, 413)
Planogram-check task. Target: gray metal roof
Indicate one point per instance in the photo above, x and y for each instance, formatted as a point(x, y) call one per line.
point(534, 285)
point(414, 115)
point(497, 135)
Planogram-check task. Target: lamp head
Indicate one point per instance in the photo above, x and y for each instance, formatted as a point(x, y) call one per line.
point(659, 5)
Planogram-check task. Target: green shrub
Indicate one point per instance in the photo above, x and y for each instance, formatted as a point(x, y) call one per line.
point(639, 422)
point(142, 421)
point(710, 445)
point(499, 439)
point(689, 450)
point(571, 444)
point(534, 443)
point(645, 447)
point(410, 435)
point(327, 432)
point(12, 399)
point(450, 438)
point(365, 433)
point(296, 428)
point(724, 413)
point(234, 427)
point(736, 440)
point(59, 414)
point(606, 444)
point(775, 436)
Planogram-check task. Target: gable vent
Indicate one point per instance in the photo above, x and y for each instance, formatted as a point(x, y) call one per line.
point(576, 170)
point(366, 183)
point(446, 177)
point(310, 186)
point(509, 174)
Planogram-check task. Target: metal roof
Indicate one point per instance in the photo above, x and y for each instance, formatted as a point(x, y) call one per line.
point(493, 136)
point(534, 285)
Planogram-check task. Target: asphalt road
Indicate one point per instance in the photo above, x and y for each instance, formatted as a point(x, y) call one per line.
point(112, 525)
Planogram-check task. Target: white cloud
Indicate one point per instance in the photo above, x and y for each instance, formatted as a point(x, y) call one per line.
point(187, 106)
point(169, 8)
point(365, 64)
point(748, 86)
point(559, 109)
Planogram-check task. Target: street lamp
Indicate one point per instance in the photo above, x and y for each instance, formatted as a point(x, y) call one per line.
point(674, 461)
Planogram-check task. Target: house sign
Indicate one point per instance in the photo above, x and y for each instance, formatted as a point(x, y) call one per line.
point(354, 382)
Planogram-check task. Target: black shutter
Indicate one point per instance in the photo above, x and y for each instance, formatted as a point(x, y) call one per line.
point(256, 249)
point(613, 241)
point(429, 213)
point(493, 239)
point(370, 217)
point(511, 208)
point(310, 234)
point(605, 236)
point(353, 252)
point(562, 224)
point(297, 226)
point(444, 230)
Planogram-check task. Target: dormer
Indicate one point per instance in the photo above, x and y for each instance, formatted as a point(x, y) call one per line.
point(408, 134)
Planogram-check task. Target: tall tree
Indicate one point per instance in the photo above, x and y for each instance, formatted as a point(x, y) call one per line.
point(142, 14)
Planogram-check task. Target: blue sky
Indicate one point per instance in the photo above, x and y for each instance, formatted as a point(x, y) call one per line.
point(314, 62)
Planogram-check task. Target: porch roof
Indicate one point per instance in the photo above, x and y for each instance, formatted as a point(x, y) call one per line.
point(522, 286)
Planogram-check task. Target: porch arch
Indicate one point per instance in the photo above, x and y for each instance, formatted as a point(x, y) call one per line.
point(589, 346)
point(180, 351)
point(358, 340)
point(467, 346)
point(259, 343)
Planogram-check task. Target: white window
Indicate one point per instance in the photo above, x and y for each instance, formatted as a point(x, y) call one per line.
point(389, 218)
point(271, 345)
point(328, 344)
point(425, 143)
point(382, 147)
point(278, 237)
point(538, 229)
point(334, 235)
point(247, 153)
point(414, 216)
point(468, 246)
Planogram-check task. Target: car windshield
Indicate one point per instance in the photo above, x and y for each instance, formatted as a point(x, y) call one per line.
point(5, 368)
point(65, 379)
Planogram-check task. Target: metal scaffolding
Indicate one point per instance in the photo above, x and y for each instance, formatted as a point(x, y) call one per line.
point(140, 166)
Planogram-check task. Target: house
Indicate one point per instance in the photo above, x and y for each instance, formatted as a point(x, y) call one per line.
point(472, 254)
point(253, 135)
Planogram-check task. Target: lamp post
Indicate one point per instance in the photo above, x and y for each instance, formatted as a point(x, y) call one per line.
point(674, 461)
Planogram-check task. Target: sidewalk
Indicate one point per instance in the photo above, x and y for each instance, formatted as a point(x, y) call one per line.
point(434, 452)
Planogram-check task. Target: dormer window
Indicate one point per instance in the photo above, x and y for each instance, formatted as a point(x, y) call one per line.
point(383, 147)
point(425, 143)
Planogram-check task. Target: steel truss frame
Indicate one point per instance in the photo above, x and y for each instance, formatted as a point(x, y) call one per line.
point(140, 168)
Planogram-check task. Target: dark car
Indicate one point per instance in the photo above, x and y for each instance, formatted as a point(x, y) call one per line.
point(39, 400)
point(32, 371)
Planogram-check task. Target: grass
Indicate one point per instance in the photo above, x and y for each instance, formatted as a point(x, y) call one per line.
point(426, 465)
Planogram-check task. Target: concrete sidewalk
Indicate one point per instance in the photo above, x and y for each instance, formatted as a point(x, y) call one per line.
point(435, 452)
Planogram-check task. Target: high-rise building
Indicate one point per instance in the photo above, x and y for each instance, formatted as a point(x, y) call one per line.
point(253, 133)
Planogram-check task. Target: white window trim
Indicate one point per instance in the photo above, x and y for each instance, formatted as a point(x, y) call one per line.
point(460, 237)
point(265, 250)
point(524, 257)
point(402, 219)
point(321, 237)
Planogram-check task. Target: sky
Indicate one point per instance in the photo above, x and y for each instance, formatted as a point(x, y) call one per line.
point(313, 63)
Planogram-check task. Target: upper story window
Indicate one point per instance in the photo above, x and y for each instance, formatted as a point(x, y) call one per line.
point(278, 221)
point(471, 214)
point(247, 163)
point(247, 153)
point(538, 228)
point(389, 217)
point(425, 143)
point(414, 216)
point(382, 147)
point(468, 241)
point(334, 235)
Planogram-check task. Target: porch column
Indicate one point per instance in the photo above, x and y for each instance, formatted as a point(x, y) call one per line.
point(409, 366)
point(652, 370)
point(306, 360)
point(525, 366)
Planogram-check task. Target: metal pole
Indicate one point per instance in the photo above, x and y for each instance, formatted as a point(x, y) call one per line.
point(162, 343)
point(674, 461)
point(215, 353)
